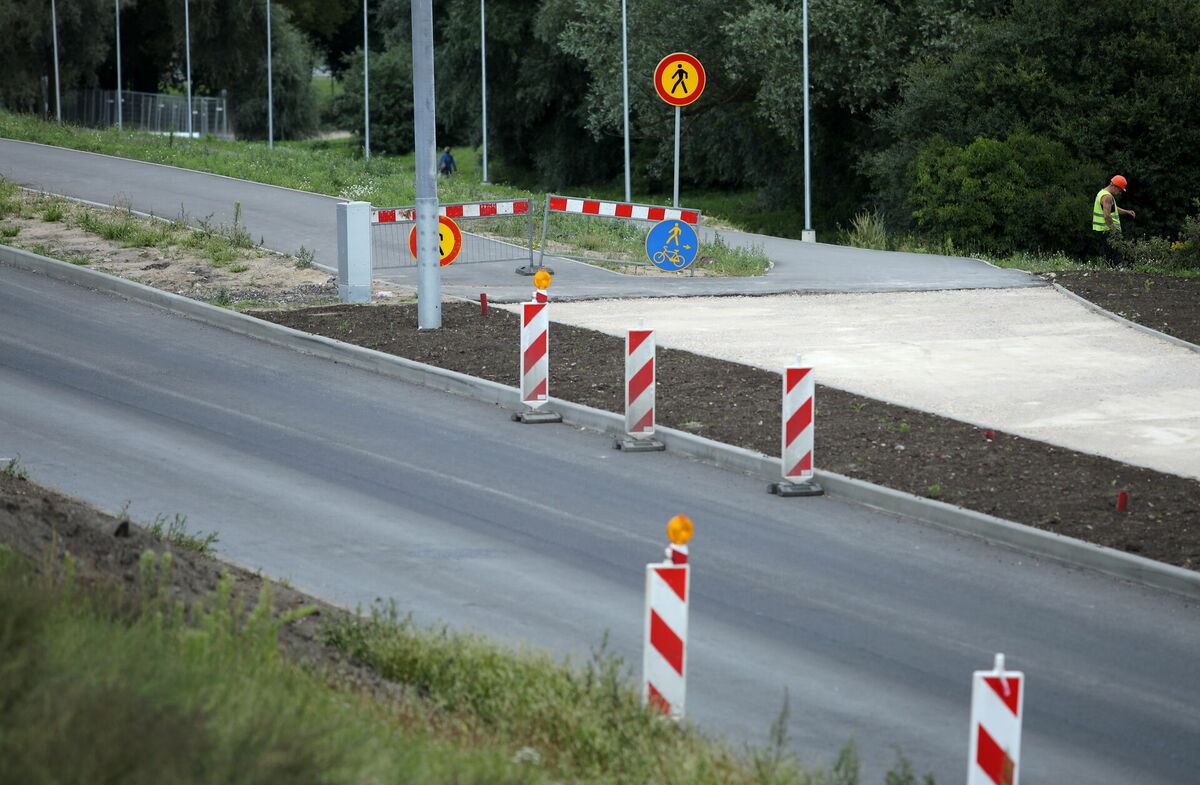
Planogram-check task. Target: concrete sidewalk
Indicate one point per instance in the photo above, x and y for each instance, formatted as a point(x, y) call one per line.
point(1027, 361)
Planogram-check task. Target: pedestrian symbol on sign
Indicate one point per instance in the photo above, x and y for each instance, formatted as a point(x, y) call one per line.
point(672, 245)
point(679, 79)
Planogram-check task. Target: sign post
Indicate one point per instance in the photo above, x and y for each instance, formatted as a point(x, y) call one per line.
point(679, 80)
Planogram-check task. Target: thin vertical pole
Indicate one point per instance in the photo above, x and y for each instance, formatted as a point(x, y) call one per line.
point(807, 153)
point(366, 89)
point(625, 92)
point(483, 78)
point(270, 96)
point(57, 94)
point(429, 271)
point(187, 48)
point(675, 201)
point(117, 3)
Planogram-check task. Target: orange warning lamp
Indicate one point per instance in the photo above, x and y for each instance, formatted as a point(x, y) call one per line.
point(680, 529)
point(542, 279)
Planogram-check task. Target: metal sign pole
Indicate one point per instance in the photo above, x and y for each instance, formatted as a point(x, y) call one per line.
point(675, 201)
point(119, 118)
point(366, 89)
point(57, 94)
point(429, 280)
point(808, 235)
point(270, 97)
point(187, 49)
point(625, 90)
point(483, 79)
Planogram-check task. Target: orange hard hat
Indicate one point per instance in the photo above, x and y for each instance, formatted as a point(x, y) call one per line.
point(1119, 181)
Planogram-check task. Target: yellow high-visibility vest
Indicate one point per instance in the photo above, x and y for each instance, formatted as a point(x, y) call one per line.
point(1098, 223)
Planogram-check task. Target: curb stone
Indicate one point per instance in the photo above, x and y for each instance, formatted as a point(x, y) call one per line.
point(1027, 539)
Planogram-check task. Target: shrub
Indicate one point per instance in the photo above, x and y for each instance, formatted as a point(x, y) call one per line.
point(1022, 193)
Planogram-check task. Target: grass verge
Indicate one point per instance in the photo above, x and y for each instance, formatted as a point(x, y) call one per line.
point(335, 167)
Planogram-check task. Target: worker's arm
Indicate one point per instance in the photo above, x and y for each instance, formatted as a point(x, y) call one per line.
point(1106, 204)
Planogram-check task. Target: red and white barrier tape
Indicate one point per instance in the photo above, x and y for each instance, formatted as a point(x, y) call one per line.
point(644, 212)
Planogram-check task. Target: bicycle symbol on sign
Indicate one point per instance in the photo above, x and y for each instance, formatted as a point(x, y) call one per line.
point(671, 245)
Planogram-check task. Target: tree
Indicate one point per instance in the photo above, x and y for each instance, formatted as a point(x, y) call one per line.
point(85, 35)
point(1023, 192)
point(1114, 83)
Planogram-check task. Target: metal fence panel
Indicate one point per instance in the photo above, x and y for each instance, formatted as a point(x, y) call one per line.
point(154, 112)
point(500, 231)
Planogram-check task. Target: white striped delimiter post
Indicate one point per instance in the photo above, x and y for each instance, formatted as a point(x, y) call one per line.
point(798, 392)
point(535, 354)
point(664, 658)
point(639, 383)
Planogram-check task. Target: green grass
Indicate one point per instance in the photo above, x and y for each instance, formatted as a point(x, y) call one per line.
point(174, 530)
point(112, 683)
point(336, 167)
point(111, 686)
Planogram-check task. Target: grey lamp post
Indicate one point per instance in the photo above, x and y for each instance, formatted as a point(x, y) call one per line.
point(270, 97)
point(366, 90)
point(187, 48)
point(117, 3)
point(429, 271)
point(625, 91)
point(54, 35)
point(808, 235)
point(483, 78)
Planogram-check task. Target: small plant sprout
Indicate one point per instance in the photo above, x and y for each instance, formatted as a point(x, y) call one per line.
point(304, 258)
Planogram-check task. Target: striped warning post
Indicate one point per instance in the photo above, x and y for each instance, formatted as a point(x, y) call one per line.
point(465, 210)
point(798, 392)
point(997, 705)
point(664, 659)
point(641, 212)
point(639, 382)
point(535, 354)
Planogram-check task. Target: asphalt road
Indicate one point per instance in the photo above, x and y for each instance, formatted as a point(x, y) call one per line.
point(355, 487)
point(285, 219)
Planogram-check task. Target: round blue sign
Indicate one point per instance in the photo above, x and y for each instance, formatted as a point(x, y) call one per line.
point(672, 245)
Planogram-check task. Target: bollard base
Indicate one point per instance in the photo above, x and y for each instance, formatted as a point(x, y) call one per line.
point(633, 444)
point(804, 488)
point(530, 269)
point(535, 417)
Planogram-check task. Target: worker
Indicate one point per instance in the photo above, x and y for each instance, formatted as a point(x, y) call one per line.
point(1106, 219)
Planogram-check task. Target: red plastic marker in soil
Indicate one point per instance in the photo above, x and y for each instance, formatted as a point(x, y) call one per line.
point(1122, 501)
point(483, 304)
point(989, 435)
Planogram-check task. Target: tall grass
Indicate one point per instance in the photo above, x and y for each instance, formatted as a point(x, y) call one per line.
point(108, 686)
point(583, 724)
point(337, 168)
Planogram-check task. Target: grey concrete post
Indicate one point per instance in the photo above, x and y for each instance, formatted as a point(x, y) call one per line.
point(354, 252)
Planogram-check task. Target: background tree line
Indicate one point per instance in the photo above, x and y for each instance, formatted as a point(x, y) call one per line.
point(988, 122)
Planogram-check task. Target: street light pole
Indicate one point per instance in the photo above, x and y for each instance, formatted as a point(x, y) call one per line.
point(366, 89)
point(119, 101)
point(625, 91)
point(429, 271)
point(808, 235)
point(57, 95)
point(187, 48)
point(270, 97)
point(483, 78)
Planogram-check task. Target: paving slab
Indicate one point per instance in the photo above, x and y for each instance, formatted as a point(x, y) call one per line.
point(1027, 361)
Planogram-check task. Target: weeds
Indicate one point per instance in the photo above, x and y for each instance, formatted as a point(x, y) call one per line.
point(53, 213)
point(304, 259)
point(9, 231)
point(174, 530)
point(14, 469)
point(222, 298)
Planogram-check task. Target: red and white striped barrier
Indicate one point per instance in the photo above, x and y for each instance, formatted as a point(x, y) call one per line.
point(535, 354)
point(798, 392)
point(664, 659)
point(468, 210)
point(997, 705)
point(642, 212)
point(639, 382)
